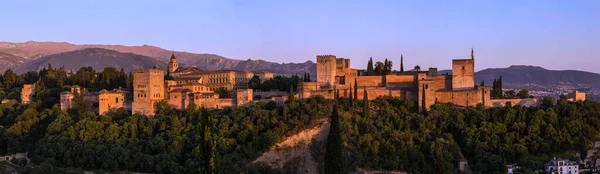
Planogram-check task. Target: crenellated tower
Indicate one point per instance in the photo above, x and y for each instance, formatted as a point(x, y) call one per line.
point(326, 69)
point(463, 73)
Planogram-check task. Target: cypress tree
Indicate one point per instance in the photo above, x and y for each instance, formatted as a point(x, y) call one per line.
point(366, 105)
point(286, 110)
point(500, 87)
point(291, 97)
point(305, 79)
point(355, 90)
point(385, 66)
point(494, 88)
point(383, 81)
point(207, 148)
point(370, 67)
point(500, 83)
point(309, 77)
point(350, 96)
point(333, 145)
point(401, 63)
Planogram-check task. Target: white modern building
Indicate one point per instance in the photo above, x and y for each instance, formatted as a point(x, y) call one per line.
point(562, 166)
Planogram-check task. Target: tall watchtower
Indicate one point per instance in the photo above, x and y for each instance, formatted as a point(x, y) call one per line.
point(463, 73)
point(173, 65)
point(326, 69)
point(148, 90)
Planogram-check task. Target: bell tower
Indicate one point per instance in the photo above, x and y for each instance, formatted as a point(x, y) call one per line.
point(173, 65)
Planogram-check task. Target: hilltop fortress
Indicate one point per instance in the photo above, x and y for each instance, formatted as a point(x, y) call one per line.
point(425, 87)
point(193, 86)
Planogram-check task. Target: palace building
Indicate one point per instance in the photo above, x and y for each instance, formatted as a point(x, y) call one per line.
point(186, 87)
point(196, 87)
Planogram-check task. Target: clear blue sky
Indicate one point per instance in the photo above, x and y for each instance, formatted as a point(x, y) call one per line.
point(549, 33)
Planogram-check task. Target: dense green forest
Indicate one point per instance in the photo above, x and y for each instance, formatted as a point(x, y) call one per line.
point(383, 134)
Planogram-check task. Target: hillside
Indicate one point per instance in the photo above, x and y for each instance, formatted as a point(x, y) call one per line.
point(34, 50)
point(521, 75)
point(517, 75)
point(8, 61)
point(97, 58)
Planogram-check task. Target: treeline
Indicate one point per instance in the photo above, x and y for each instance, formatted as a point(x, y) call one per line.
point(51, 81)
point(383, 134)
point(380, 68)
point(173, 141)
point(388, 134)
point(499, 93)
point(280, 83)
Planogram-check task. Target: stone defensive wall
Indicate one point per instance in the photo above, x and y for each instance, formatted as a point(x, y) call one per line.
point(527, 102)
point(400, 81)
point(462, 98)
point(372, 92)
point(269, 94)
point(216, 102)
point(391, 80)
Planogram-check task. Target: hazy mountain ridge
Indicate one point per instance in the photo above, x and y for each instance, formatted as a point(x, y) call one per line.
point(518, 75)
point(9, 61)
point(98, 58)
point(34, 50)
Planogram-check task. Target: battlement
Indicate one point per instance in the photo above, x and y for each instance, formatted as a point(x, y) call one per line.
point(149, 70)
point(325, 56)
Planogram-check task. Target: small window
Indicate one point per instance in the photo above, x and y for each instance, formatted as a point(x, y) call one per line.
point(463, 67)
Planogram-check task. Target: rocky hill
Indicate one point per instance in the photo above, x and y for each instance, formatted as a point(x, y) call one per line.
point(97, 58)
point(34, 50)
point(8, 61)
point(296, 154)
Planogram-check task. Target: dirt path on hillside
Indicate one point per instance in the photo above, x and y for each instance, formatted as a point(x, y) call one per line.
point(294, 152)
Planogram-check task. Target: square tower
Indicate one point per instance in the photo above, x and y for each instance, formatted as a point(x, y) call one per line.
point(463, 74)
point(326, 69)
point(148, 90)
point(113, 100)
point(27, 93)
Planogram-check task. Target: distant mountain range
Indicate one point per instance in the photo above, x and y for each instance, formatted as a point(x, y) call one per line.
point(520, 75)
point(32, 50)
point(8, 61)
point(97, 58)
